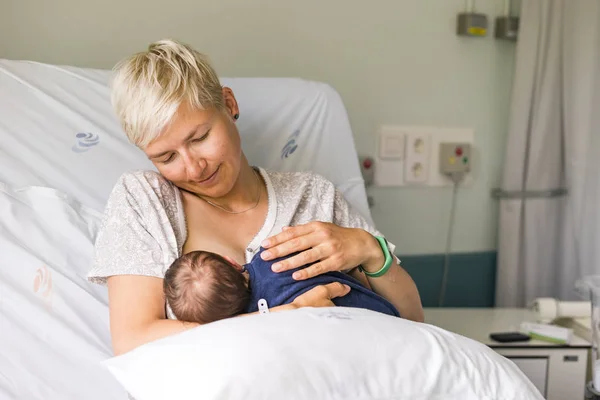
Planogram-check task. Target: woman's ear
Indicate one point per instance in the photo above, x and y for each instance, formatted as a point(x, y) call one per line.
point(231, 103)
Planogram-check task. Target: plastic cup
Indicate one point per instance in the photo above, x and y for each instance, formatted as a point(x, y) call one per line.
point(589, 288)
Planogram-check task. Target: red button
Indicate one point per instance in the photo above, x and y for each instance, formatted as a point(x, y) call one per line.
point(459, 151)
point(367, 163)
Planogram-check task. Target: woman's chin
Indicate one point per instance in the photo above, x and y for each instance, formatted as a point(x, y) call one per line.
point(216, 186)
point(213, 192)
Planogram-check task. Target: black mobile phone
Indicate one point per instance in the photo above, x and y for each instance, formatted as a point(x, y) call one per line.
point(507, 337)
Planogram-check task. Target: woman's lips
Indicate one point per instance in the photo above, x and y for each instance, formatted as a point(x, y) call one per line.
point(211, 178)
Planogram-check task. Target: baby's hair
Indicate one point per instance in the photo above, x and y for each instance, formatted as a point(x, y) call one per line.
point(203, 287)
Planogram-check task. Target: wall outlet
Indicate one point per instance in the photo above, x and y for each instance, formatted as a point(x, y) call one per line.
point(417, 158)
point(450, 135)
point(455, 158)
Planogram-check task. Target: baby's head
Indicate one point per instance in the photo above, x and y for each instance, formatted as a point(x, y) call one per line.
point(204, 287)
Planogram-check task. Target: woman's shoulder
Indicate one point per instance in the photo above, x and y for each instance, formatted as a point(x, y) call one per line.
point(300, 180)
point(146, 193)
point(144, 180)
point(144, 185)
point(142, 231)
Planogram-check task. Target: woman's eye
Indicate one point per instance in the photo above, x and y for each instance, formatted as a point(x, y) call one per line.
point(202, 137)
point(168, 160)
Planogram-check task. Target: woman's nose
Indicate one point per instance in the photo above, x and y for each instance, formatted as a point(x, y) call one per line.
point(195, 168)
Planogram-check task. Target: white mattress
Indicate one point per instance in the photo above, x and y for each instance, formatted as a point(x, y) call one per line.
point(61, 151)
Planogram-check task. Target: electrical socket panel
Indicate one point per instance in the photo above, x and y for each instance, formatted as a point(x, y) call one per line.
point(417, 158)
point(440, 136)
point(419, 163)
point(455, 157)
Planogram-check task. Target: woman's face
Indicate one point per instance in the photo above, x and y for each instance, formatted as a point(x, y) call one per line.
point(200, 150)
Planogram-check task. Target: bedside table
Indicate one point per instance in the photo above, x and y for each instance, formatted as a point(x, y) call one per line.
point(558, 371)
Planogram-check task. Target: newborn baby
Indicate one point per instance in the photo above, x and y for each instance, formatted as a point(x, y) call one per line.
point(204, 287)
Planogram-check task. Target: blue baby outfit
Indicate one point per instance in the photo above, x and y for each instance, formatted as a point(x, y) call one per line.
point(280, 288)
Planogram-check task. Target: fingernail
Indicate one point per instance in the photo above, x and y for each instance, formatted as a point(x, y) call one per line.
point(265, 255)
point(276, 267)
point(347, 287)
point(296, 275)
point(265, 243)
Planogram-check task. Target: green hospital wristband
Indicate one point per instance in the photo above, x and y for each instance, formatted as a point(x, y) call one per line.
point(388, 259)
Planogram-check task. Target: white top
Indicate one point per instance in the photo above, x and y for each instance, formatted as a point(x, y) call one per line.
point(144, 229)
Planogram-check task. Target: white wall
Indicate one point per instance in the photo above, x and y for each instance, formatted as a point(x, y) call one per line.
point(393, 62)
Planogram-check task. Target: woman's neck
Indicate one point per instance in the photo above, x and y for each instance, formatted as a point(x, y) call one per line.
point(245, 192)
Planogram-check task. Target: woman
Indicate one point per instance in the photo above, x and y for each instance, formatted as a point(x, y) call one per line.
point(172, 106)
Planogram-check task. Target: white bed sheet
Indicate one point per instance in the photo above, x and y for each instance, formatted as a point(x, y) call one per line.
point(53, 323)
point(57, 129)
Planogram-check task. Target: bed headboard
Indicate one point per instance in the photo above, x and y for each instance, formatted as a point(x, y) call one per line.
point(57, 129)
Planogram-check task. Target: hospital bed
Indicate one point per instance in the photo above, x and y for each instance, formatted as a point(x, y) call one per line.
point(59, 137)
point(61, 151)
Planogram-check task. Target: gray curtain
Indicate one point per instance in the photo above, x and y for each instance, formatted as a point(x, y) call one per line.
point(548, 238)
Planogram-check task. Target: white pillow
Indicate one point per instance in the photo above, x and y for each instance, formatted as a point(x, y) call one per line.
point(320, 353)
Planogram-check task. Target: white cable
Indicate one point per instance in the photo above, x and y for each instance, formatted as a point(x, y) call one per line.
point(507, 7)
point(469, 6)
point(456, 178)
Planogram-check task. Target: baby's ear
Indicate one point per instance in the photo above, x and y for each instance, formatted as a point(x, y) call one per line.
point(234, 263)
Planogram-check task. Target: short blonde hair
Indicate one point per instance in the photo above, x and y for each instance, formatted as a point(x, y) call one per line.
point(149, 87)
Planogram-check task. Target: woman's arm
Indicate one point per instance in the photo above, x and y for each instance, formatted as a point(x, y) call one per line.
point(334, 248)
point(137, 313)
point(136, 307)
point(395, 285)
point(344, 243)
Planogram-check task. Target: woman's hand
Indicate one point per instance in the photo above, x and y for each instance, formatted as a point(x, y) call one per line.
point(330, 247)
point(333, 248)
point(320, 296)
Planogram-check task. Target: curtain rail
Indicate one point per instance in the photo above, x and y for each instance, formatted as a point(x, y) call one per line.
point(529, 194)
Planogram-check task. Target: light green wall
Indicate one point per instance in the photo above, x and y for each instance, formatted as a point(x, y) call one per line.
point(393, 62)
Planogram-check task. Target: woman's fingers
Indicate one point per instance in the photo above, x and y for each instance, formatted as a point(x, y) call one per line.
point(320, 296)
point(315, 270)
point(292, 245)
point(306, 257)
point(329, 247)
point(288, 233)
point(336, 289)
point(291, 240)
